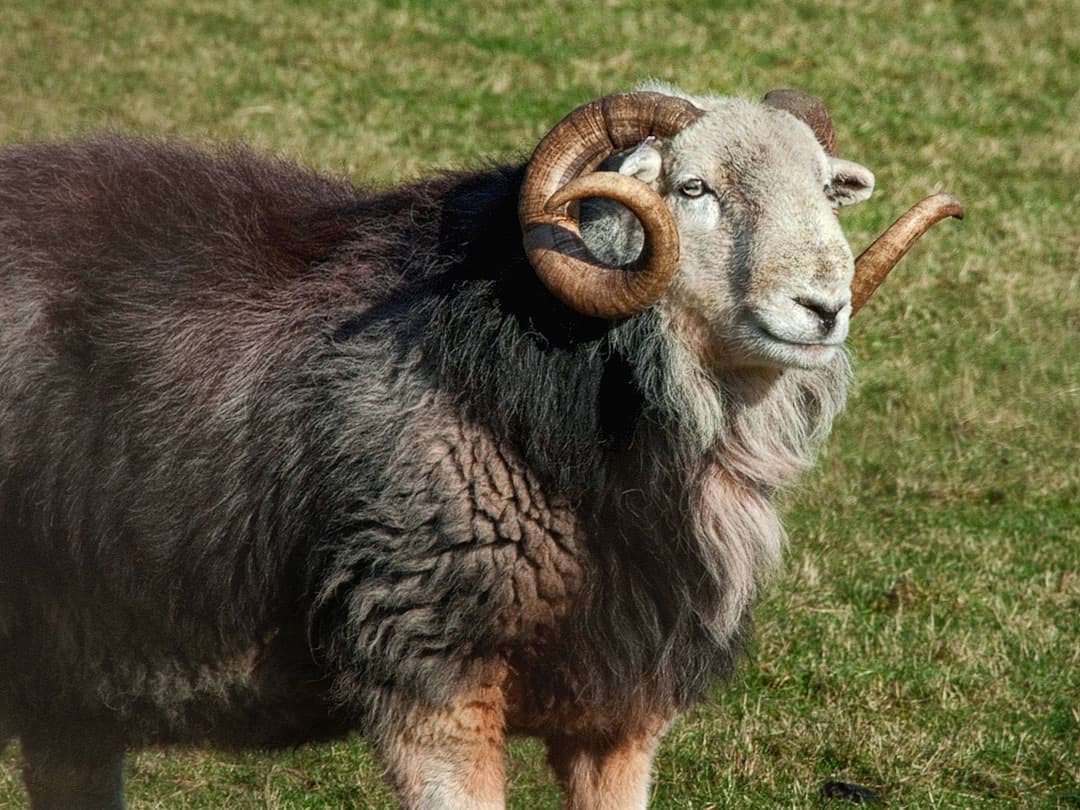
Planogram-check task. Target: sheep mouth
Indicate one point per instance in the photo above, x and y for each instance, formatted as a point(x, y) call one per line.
point(790, 352)
point(831, 339)
point(824, 343)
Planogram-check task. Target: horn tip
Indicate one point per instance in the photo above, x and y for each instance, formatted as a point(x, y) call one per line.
point(949, 205)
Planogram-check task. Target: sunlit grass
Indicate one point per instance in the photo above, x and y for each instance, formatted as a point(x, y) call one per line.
point(923, 638)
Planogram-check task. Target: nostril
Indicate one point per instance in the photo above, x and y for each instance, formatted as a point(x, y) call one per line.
point(826, 313)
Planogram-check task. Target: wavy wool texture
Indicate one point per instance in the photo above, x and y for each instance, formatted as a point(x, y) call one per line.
point(693, 499)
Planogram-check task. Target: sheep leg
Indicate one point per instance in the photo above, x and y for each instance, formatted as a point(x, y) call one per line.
point(449, 757)
point(62, 775)
point(605, 773)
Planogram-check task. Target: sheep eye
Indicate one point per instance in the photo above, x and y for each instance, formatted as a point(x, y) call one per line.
point(693, 187)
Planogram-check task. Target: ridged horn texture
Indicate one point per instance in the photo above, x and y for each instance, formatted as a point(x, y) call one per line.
point(876, 261)
point(560, 172)
point(810, 110)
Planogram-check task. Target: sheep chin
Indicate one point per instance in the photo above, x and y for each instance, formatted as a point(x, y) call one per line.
point(780, 356)
point(762, 354)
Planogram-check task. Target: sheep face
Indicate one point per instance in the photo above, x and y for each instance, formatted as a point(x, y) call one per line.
point(765, 272)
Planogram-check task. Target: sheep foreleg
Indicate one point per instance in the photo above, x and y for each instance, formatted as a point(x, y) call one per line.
point(450, 758)
point(606, 773)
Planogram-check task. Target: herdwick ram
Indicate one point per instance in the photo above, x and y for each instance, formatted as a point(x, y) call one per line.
point(282, 459)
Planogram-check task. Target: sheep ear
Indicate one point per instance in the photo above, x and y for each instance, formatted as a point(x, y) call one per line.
point(644, 162)
point(849, 183)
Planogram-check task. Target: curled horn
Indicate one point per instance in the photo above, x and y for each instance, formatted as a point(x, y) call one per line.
point(560, 172)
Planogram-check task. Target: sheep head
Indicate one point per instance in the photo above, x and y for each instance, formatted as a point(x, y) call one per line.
point(719, 211)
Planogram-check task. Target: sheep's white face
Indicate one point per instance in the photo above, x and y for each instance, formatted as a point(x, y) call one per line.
point(765, 271)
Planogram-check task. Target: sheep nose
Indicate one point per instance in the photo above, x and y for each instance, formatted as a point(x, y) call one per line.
point(826, 311)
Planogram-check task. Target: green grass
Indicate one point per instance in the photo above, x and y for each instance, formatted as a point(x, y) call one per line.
point(923, 638)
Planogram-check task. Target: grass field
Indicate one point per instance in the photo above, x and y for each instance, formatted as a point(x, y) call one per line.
point(923, 637)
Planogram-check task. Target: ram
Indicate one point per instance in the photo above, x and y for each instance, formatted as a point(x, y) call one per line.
point(491, 454)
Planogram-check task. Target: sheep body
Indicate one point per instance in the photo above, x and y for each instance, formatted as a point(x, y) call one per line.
point(285, 458)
